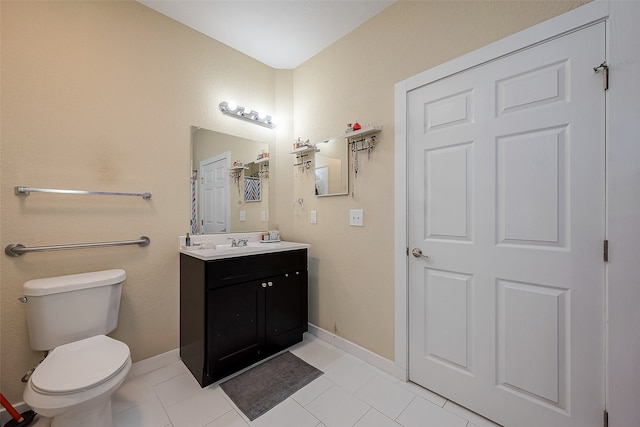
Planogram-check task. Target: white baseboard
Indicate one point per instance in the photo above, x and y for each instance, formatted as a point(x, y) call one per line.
point(360, 352)
point(156, 362)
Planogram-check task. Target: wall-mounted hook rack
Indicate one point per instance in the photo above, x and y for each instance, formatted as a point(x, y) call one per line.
point(361, 140)
point(301, 153)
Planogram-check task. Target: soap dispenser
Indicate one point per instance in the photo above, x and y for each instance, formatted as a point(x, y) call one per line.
point(187, 240)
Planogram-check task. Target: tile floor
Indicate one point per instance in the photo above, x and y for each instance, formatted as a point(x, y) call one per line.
point(350, 393)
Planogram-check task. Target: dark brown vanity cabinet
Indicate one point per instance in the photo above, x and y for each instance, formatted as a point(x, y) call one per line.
point(237, 311)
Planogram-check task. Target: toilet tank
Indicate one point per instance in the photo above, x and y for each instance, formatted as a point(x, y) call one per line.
point(64, 309)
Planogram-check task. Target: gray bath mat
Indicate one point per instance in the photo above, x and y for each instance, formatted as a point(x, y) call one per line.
point(264, 386)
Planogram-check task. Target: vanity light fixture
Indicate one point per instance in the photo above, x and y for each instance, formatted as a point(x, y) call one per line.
point(246, 113)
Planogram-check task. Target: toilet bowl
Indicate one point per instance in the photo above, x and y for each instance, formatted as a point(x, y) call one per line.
point(74, 383)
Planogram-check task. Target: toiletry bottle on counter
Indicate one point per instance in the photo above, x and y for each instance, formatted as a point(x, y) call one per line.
point(187, 240)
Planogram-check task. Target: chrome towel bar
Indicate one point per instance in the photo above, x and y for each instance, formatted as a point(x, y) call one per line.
point(28, 190)
point(16, 249)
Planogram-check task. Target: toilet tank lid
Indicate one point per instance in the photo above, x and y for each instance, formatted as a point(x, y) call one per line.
point(72, 282)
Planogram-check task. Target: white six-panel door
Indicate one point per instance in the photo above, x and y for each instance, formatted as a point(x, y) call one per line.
point(506, 192)
point(214, 194)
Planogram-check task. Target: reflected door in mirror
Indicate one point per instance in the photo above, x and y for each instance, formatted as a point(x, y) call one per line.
point(331, 167)
point(214, 192)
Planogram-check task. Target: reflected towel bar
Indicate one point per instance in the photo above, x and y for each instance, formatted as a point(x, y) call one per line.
point(16, 249)
point(27, 190)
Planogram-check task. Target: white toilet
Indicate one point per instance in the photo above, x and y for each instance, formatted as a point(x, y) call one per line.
point(70, 316)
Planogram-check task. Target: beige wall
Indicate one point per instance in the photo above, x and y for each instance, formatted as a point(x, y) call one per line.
point(101, 96)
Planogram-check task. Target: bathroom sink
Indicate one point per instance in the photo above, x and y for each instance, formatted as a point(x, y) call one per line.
point(211, 251)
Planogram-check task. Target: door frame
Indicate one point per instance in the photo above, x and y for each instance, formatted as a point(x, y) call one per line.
point(572, 21)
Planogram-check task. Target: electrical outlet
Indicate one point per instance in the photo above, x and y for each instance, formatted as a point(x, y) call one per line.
point(356, 217)
point(243, 216)
point(314, 217)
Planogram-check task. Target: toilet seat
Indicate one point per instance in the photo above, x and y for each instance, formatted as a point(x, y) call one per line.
point(80, 365)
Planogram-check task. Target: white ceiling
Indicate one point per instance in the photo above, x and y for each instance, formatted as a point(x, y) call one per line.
point(280, 33)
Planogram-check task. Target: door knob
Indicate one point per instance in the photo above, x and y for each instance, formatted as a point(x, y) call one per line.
point(417, 252)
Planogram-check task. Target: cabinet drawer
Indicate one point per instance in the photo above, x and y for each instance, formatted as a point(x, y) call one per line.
point(229, 271)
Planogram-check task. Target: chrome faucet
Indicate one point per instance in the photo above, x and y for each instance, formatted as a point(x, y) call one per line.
point(239, 243)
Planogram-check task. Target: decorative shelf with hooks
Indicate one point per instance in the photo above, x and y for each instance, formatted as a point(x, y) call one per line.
point(304, 149)
point(363, 132)
point(302, 155)
point(236, 173)
point(363, 139)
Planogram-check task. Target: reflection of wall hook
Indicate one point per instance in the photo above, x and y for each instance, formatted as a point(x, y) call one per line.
point(300, 202)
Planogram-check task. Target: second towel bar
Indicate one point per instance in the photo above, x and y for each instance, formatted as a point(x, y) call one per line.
point(27, 190)
point(16, 249)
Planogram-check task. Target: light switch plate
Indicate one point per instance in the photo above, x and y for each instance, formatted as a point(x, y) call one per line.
point(356, 217)
point(314, 217)
point(243, 215)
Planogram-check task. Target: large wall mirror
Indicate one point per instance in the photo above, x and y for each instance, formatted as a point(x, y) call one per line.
point(226, 196)
point(332, 167)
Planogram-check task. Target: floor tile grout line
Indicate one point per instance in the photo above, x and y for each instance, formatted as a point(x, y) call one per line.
point(308, 412)
point(371, 408)
point(235, 408)
point(415, 396)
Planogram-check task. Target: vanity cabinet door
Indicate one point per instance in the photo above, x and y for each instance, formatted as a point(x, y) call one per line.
point(286, 309)
point(236, 332)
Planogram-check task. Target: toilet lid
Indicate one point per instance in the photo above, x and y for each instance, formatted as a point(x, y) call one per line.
point(80, 365)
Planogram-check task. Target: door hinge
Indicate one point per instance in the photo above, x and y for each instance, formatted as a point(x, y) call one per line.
point(605, 250)
point(606, 418)
point(605, 74)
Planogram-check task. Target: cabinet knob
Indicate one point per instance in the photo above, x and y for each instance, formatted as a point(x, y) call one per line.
point(297, 272)
point(270, 283)
point(286, 275)
point(264, 285)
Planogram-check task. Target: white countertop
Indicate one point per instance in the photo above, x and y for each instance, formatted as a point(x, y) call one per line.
point(225, 251)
